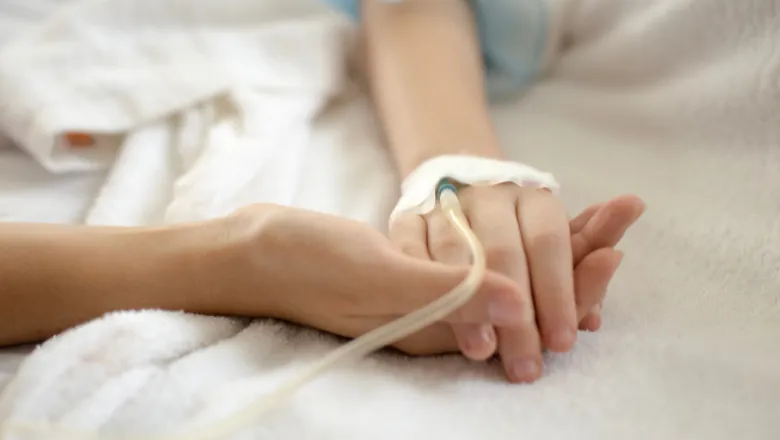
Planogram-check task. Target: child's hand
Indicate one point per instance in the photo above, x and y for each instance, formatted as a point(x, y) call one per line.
point(527, 237)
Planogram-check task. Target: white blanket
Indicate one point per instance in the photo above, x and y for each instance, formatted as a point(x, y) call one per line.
point(676, 100)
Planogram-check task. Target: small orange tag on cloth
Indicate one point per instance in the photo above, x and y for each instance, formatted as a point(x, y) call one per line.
point(79, 140)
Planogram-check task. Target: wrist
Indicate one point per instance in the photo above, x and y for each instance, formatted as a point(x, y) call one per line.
point(487, 149)
point(223, 264)
point(205, 266)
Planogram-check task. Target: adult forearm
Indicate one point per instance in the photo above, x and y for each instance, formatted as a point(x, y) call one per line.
point(53, 277)
point(424, 68)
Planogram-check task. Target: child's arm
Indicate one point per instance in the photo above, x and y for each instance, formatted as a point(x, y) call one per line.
point(425, 70)
point(424, 67)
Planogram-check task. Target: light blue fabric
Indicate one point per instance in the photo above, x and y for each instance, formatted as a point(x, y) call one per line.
point(513, 36)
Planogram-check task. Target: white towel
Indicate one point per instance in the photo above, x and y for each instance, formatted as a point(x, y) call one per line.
point(677, 100)
point(106, 66)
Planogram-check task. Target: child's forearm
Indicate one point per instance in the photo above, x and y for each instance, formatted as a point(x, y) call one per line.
point(424, 68)
point(53, 277)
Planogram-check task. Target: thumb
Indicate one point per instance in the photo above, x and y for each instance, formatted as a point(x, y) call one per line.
point(418, 282)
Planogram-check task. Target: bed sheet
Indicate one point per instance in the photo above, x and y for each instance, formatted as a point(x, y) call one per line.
point(10, 359)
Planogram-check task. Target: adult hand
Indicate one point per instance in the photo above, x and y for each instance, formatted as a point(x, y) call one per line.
point(341, 276)
point(527, 237)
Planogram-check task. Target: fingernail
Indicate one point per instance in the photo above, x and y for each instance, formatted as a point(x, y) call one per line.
point(479, 337)
point(562, 340)
point(619, 258)
point(525, 370)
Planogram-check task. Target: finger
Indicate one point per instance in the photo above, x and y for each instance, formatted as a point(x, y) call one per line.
point(411, 283)
point(583, 218)
point(592, 277)
point(592, 321)
point(478, 340)
point(620, 214)
point(433, 340)
point(607, 226)
point(410, 234)
point(545, 230)
point(444, 243)
point(493, 218)
point(600, 273)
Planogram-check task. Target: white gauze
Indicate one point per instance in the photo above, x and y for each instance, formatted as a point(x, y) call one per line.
point(418, 190)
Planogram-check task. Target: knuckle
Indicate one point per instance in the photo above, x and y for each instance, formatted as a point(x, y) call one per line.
point(489, 196)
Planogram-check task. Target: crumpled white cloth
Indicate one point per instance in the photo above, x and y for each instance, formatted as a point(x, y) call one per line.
point(108, 66)
point(675, 100)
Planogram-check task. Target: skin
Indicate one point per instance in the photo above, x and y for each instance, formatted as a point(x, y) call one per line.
point(432, 100)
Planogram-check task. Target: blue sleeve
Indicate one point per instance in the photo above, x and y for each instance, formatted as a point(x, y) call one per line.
point(349, 7)
point(513, 37)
